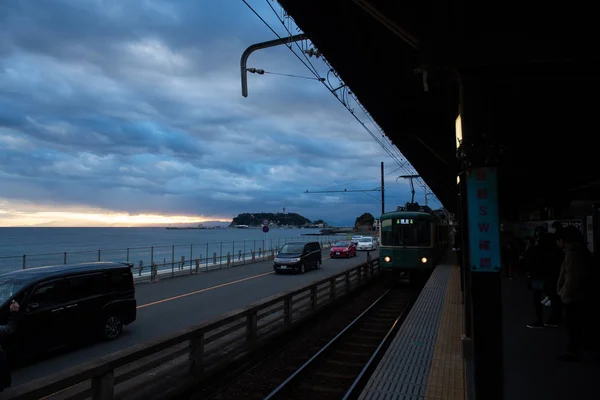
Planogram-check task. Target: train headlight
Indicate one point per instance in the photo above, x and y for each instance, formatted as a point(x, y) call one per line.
point(424, 260)
point(387, 259)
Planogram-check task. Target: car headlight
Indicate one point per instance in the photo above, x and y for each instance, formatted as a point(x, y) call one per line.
point(424, 260)
point(277, 260)
point(297, 259)
point(387, 259)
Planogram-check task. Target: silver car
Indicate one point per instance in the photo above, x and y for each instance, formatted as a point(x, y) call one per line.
point(366, 243)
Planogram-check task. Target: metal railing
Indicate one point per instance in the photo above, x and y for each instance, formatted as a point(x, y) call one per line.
point(196, 353)
point(169, 258)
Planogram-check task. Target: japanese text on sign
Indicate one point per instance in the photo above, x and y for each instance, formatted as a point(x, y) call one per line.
point(484, 236)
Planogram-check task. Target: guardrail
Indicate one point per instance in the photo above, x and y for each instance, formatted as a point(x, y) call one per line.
point(152, 260)
point(197, 352)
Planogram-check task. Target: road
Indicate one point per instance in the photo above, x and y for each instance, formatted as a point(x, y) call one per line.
point(171, 305)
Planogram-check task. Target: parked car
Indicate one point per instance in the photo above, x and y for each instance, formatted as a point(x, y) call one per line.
point(63, 303)
point(366, 243)
point(298, 257)
point(343, 249)
point(355, 239)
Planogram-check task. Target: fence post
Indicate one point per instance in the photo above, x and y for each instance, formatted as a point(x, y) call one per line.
point(253, 255)
point(233, 251)
point(152, 255)
point(24, 261)
point(197, 265)
point(239, 255)
point(244, 252)
point(214, 257)
point(347, 278)
point(99, 255)
point(228, 259)
point(196, 355)
point(251, 328)
point(191, 255)
point(172, 256)
point(65, 258)
point(103, 386)
point(141, 267)
point(332, 289)
point(153, 272)
point(182, 263)
point(128, 254)
point(220, 254)
point(207, 256)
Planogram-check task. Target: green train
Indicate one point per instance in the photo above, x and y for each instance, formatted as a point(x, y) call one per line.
point(412, 239)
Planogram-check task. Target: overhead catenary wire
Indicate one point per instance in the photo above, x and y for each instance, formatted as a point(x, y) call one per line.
point(420, 182)
point(313, 70)
point(291, 75)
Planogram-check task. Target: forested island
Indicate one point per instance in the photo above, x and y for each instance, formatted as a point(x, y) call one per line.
point(281, 219)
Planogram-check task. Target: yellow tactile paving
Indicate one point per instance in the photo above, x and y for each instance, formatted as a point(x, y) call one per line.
point(446, 374)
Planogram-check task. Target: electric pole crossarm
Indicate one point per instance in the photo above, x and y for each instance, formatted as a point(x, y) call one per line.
point(263, 45)
point(344, 191)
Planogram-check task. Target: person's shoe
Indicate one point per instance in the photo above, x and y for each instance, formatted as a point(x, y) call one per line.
point(552, 323)
point(536, 325)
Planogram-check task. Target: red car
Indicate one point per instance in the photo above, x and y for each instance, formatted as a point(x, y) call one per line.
point(343, 249)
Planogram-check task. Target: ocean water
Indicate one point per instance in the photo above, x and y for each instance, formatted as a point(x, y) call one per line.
point(50, 246)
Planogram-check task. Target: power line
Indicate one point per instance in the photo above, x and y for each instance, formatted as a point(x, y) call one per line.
point(313, 70)
point(292, 75)
point(390, 153)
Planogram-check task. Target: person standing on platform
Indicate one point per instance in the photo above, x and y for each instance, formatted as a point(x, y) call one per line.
point(573, 287)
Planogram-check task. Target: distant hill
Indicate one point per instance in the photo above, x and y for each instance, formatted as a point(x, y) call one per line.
point(256, 219)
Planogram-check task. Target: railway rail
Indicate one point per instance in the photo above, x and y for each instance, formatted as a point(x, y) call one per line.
point(336, 370)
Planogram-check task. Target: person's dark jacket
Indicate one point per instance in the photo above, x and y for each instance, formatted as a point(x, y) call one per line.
point(543, 261)
point(6, 331)
point(574, 282)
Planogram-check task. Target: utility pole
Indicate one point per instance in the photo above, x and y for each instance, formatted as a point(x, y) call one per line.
point(382, 191)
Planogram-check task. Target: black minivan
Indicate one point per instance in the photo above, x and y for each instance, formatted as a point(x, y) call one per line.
point(298, 257)
point(63, 304)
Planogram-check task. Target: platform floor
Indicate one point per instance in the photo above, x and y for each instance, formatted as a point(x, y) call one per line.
point(424, 361)
point(531, 370)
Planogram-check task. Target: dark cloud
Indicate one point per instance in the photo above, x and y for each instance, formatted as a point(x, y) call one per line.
point(135, 106)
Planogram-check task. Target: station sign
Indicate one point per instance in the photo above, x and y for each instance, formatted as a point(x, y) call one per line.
point(484, 226)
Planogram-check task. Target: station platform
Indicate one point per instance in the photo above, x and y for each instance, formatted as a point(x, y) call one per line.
point(424, 360)
point(531, 368)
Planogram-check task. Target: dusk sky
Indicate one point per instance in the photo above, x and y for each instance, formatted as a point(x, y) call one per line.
point(123, 113)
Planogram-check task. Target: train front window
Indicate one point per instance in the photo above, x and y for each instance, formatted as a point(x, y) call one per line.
point(405, 232)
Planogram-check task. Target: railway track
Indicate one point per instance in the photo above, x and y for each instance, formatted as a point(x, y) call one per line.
point(336, 369)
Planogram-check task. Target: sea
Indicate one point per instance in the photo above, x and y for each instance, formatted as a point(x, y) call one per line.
point(34, 247)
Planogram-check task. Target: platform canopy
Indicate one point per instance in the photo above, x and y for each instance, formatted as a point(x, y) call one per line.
point(542, 79)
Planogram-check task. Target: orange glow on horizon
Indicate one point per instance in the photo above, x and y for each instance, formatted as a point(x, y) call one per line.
point(23, 215)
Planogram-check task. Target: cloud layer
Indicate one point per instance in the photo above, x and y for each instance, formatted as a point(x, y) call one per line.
point(135, 107)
